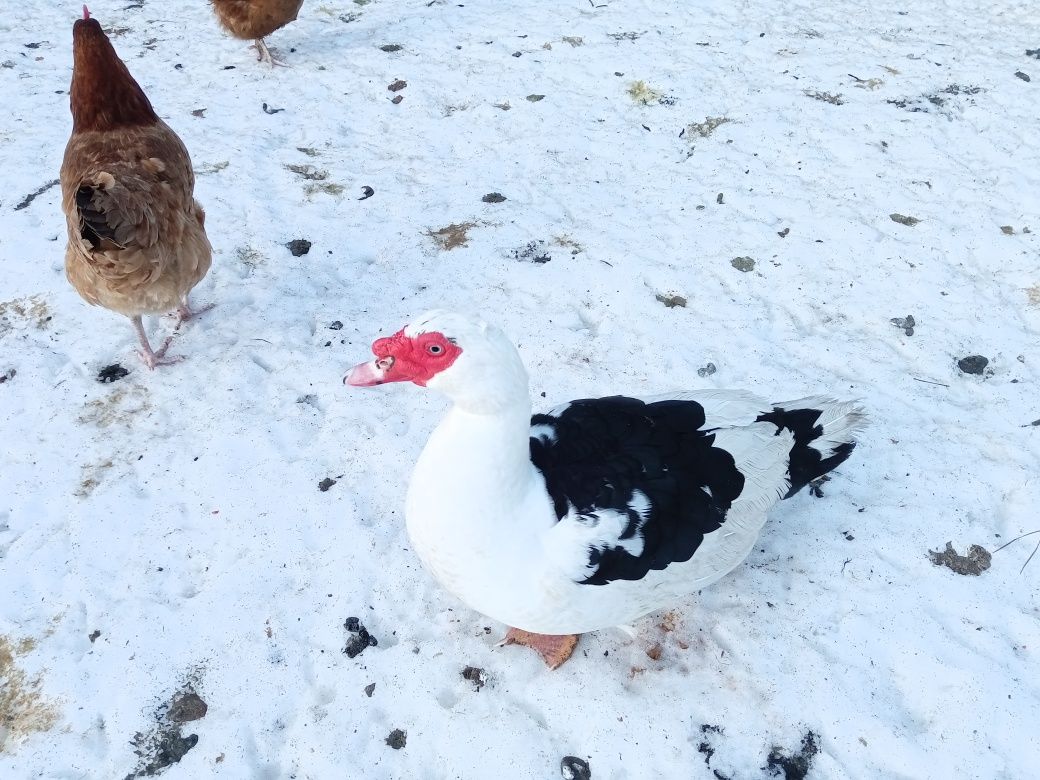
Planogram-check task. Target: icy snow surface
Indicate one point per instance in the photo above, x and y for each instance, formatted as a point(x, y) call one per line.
point(178, 513)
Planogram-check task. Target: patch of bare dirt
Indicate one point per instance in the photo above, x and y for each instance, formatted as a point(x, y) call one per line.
point(707, 127)
point(825, 97)
point(452, 236)
point(122, 405)
point(23, 708)
point(18, 313)
point(93, 475)
point(568, 243)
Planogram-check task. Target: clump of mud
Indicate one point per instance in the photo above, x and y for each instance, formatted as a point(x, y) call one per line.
point(532, 252)
point(574, 768)
point(165, 743)
point(794, 766)
point(973, 564)
point(706, 748)
point(112, 373)
point(360, 640)
point(475, 675)
point(973, 364)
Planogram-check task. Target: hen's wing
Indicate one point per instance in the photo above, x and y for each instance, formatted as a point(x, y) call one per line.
point(132, 218)
point(119, 213)
point(647, 481)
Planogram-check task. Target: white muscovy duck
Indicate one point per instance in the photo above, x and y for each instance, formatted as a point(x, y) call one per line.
point(602, 510)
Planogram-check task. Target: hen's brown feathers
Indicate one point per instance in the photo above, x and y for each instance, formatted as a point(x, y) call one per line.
point(137, 242)
point(249, 19)
point(136, 237)
point(103, 95)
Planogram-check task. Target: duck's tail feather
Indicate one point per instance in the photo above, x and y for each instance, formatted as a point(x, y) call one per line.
point(824, 435)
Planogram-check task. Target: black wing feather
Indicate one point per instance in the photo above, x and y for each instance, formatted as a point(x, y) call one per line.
point(605, 449)
point(95, 227)
point(806, 463)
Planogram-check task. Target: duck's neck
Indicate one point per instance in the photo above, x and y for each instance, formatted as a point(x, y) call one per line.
point(479, 457)
point(474, 504)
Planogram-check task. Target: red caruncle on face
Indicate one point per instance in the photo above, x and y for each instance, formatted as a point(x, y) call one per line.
point(417, 359)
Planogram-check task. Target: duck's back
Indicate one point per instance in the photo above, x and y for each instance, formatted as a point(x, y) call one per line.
point(656, 499)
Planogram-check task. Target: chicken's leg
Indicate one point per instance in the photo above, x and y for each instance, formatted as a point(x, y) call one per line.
point(554, 649)
point(152, 358)
point(185, 312)
point(263, 54)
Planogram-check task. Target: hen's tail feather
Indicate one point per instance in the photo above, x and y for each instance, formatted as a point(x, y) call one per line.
point(824, 435)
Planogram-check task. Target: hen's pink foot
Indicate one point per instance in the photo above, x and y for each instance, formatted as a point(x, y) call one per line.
point(184, 313)
point(554, 649)
point(263, 54)
point(153, 358)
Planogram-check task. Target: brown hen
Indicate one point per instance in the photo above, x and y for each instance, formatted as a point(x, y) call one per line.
point(255, 19)
point(137, 241)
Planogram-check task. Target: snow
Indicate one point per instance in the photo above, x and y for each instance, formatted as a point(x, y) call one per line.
point(178, 511)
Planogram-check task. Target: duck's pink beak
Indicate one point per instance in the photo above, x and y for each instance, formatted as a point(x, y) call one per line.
point(367, 374)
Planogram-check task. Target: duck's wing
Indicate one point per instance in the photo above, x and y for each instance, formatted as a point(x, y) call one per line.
point(636, 485)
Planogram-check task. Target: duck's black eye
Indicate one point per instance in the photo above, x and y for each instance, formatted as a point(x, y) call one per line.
point(435, 349)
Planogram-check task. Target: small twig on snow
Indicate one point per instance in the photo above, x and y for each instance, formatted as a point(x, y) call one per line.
point(928, 381)
point(1023, 536)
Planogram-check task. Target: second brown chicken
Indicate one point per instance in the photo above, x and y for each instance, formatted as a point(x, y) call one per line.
point(256, 19)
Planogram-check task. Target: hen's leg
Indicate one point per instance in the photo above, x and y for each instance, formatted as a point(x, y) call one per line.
point(185, 312)
point(554, 649)
point(263, 54)
point(152, 358)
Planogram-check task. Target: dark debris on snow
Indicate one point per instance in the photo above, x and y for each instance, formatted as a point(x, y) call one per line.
point(973, 564)
point(973, 364)
point(794, 766)
point(574, 768)
point(360, 640)
point(112, 373)
point(397, 739)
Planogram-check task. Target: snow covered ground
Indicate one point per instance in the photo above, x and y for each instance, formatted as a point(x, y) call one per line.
point(764, 162)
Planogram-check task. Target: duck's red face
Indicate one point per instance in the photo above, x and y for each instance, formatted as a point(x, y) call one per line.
point(401, 358)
